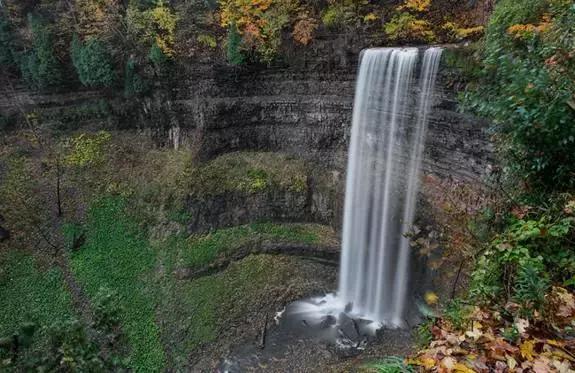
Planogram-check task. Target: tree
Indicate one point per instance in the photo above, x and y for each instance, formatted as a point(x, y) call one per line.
point(156, 25)
point(134, 84)
point(7, 53)
point(93, 63)
point(234, 54)
point(40, 67)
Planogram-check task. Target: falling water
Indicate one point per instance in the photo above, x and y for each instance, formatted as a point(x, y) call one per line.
point(387, 141)
point(385, 154)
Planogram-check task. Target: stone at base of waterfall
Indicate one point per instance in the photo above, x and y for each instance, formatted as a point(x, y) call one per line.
point(350, 340)
point(328, 322)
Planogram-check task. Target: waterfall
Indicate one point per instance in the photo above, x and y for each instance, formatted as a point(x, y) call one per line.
point(388, 132)
point(387, 142)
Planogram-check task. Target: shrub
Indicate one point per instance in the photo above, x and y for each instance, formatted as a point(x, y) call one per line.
point(157, 56)
point(527, 87)
point(69, 349)
point(40, 67)
point(87, 149)
point(207, 41)
point(153, 26)
point(93, 63)
point(259, 24)
point(530, 254)
point(341, 13)
point(134, 83)
point(304, 30)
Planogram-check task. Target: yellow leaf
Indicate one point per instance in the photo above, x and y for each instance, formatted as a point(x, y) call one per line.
point(462, 368)
point(526, 349)
point(425, 361)
point(511, 362)
point(431, 298)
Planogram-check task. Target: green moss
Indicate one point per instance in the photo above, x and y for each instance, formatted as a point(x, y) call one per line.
point(29, 294)
point(117, 256)
point(248, 173)
point(200, 250)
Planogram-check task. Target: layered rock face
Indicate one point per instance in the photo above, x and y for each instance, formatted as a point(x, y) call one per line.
point(303, 108)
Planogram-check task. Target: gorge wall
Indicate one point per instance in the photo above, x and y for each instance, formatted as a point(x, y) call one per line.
point(303, 108)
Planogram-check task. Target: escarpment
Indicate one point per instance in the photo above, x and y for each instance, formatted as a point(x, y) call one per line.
point(302, 109)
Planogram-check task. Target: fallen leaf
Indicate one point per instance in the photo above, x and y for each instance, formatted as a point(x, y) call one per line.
point(431, 298)
point(511, 362)
point(462, 368)
point(449, 363)
point(521, 325)
point(526, 349)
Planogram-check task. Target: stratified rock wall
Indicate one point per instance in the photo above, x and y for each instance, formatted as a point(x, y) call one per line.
point(303, 108)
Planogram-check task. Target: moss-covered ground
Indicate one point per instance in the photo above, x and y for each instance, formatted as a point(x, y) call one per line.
point(248, 172)
point(166, 319)
point(30, 293)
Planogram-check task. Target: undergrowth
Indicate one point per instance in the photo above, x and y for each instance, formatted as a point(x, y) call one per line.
point(30, 294)
point(117, 256)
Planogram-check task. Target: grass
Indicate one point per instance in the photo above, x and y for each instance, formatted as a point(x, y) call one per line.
point(117, 256)
point(200, 250)
point(197, 313)
point(248, 172)
point(29, 294)
point(391, 364)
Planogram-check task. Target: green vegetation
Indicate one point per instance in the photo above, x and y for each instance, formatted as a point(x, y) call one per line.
point(40, 67)
point(92, 63)
point(195, 314)
point(7, 52)
point(30, 294)
point(522, 78)
point(233, 44)
point(249, 173)
point(64, 345)
point(134, 83)
point(108, 40)
point(392, 365)
point(117, 256)
point(527, 87)
point(200, 250)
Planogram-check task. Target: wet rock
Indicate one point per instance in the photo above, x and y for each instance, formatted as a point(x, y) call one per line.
point(348, 328)
point(327, 322)
point(348, 307)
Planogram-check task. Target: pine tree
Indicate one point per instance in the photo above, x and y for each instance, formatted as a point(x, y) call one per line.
point(134, 84)
point(40, 67)
point(234, 54)
point(7, 55)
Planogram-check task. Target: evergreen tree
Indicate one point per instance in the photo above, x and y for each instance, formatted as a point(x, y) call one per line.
point(7, 53)
point(156, 56)
point(40, 67)
point(92, 63)
point(234, 54)
point(134, 84)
